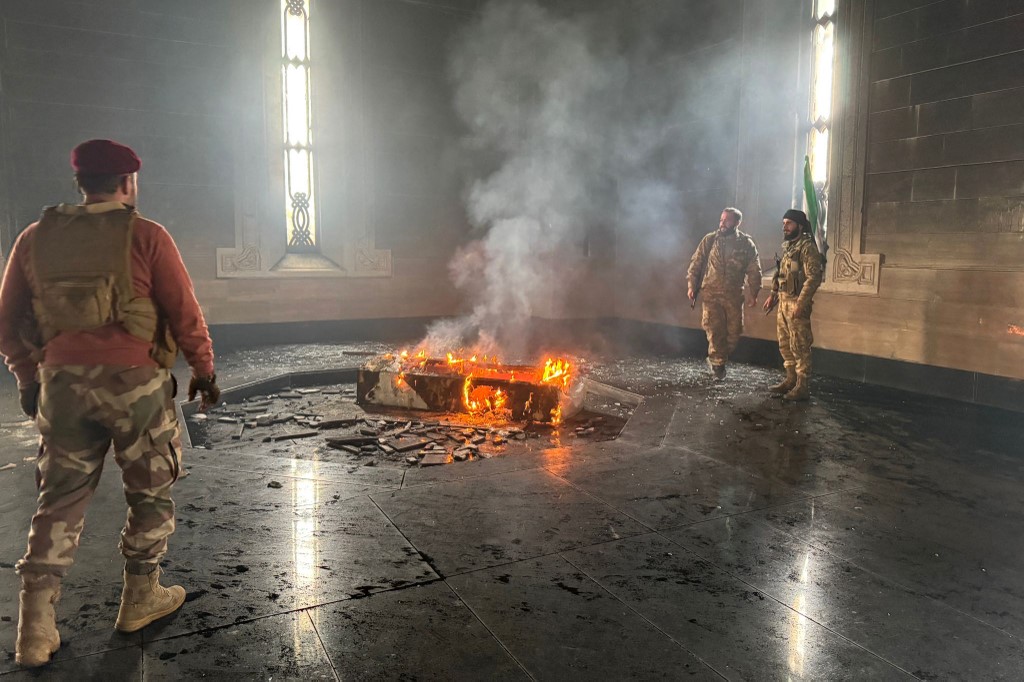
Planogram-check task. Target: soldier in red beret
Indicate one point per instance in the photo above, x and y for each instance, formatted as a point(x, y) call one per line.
point(94, 305)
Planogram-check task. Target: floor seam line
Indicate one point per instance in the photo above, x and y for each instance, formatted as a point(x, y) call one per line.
point(471, 478)
point(423, 557)
point(886, 578)
point(201, 465)
point(600, 500)
point(489, 631)
point(787, 606)
point(323, 647)
point(330, 602)
point(750, 511)
point(645, 619)
point(544, 555)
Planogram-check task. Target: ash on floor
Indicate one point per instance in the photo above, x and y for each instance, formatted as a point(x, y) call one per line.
point(328, 424)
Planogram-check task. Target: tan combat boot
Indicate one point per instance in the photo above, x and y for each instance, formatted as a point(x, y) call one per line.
point(144, 600)
point(786, 385)
point(802, 390)
point(38, 638)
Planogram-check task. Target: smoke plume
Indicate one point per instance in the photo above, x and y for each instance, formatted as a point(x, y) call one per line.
point(583, 109)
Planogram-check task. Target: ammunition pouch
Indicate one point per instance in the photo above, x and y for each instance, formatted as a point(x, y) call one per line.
point(74, 304)
point(82, 279)
point(791, 278)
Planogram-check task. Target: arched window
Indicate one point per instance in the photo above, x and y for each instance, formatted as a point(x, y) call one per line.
point(297, 111)
point(819, 136)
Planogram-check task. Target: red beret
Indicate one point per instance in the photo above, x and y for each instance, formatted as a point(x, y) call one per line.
point(104, 157)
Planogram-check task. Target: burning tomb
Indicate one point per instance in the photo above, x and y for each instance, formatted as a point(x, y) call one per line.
point(473, 385)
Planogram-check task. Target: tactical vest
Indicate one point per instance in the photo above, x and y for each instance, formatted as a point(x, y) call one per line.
point(791, 269)
point(82, 278)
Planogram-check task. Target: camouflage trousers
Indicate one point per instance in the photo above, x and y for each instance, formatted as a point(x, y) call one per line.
point(82, 410)
point(722, 320)
point(795, 337)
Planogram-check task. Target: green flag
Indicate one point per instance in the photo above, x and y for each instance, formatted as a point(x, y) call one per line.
point(811, 197)
point(814, 210)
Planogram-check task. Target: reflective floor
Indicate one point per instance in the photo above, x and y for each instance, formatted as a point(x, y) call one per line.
point(868, 534)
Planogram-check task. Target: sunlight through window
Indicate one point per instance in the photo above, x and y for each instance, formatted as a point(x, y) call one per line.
point(823, 56)
point(297, 111)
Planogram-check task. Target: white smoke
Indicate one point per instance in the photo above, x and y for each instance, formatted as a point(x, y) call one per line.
point(583, 111)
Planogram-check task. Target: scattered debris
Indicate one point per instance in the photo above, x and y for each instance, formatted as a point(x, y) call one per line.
point(340, 443)
point(274, 484)
point(379, 438)
point(8, 466)
point(297, 434)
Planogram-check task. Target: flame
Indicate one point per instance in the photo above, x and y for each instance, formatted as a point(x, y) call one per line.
point(500, 399)
point(468, 402)
point(557, 371)
point(480, 373)
point(556, 416)
point(477, 399)
point(1015, 329)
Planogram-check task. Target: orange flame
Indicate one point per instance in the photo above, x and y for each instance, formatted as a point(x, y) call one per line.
point(468, 402)
point(1015, 329)
point(556, 416)
point(478, 399)
point(485, 398)
point(557, 371)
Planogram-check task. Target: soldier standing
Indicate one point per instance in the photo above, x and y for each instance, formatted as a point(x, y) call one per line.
point(94, 304)
point(717, 270)
point(797, 278)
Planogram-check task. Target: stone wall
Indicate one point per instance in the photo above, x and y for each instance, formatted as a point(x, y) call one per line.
point(941, 182)
point(193, 86)
point(944, 193)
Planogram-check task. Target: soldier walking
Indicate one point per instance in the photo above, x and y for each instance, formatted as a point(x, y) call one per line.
point(94, 304)
point(796, 279)
point(720, 264)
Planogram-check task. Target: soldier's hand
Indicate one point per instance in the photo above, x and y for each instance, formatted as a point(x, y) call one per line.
point(29, 396)
point(207, 388)
point(691, 294)
point(770, 303)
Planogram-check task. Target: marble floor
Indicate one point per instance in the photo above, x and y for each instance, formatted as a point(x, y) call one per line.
point(868, 534)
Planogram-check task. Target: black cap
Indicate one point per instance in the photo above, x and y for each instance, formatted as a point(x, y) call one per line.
point(797, 217)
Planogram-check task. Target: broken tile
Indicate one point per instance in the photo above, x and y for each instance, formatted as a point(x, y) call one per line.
point(433, 458)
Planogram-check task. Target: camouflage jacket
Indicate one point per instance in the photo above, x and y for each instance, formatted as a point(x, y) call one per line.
point(800, 269)
point(722, 261)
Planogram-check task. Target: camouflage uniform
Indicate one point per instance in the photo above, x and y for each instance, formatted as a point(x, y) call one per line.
point(94, 303)
point(799, 276)
point(718, 268)
point(82, 409)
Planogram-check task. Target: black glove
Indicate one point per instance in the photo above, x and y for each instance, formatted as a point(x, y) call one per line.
point(30, 399)
point(207, 387)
